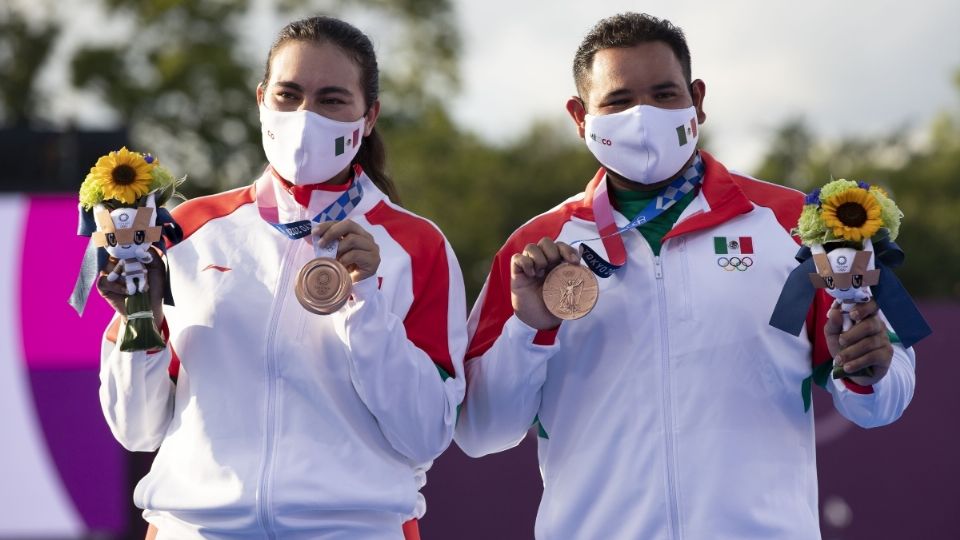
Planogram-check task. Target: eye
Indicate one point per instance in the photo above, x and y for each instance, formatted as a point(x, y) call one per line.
point(111, 239)
point(829, 280)
point(664, 96)
point(857, 280)
point(139, 237)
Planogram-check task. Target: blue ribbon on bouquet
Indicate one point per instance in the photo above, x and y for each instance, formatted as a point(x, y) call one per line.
point(894, 300)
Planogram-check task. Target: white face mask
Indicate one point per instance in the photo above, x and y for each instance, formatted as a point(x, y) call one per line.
point(643, 144)
point(307, 148)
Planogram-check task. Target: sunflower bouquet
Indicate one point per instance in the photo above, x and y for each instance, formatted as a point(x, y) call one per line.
point(837, 223)
point(847, 229)
point(121, 211)
point(848, 212)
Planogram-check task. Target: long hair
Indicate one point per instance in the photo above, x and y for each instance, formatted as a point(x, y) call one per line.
point(373, 154)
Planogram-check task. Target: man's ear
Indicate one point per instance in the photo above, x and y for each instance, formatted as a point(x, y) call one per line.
point(698, 90)
point(577, 111)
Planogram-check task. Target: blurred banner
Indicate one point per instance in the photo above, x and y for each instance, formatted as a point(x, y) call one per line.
point(63, 475)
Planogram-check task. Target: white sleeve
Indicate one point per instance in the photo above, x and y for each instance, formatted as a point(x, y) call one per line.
point(136, 394)
point(401, 381)
point(889, 396)
point(504, 389)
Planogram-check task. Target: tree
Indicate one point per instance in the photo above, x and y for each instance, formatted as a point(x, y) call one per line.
point(478, 193)
point(921, 179)
point(179, 78)
point(23, 50)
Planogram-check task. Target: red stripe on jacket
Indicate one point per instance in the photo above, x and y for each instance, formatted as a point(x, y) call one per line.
point(427, 319)
point(195, 213)
point(496, 307)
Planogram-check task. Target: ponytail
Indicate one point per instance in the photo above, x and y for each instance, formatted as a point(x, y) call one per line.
point(373, 158)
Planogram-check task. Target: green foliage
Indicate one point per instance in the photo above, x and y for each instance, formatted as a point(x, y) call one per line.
point(182, 84)
point(23, 49)
point(184, 90)
point(921, 178)
point(477, 193)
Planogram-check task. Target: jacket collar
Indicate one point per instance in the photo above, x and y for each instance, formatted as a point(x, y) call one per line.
point(721, 199)
point(302, 194)
point(289, 209)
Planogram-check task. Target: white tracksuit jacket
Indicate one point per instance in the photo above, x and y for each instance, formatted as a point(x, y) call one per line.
point(673, 410)
point(282, 423)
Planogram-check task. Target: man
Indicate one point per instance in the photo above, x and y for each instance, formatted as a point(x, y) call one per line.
point(673, 409)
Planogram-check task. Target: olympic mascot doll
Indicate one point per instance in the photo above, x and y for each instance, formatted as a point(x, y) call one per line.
point(847, 230)
point(121, 211)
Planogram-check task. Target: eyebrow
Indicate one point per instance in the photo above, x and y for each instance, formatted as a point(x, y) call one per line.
point(619, 92)
point(668, 85)
point(627, 92)
point(322, 91)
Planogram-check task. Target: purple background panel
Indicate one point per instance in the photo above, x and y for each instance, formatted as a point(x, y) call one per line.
point(900, 481)
point(92, 465)
point(53, 335)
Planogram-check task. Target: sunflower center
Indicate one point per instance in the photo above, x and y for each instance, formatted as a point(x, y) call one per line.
point(124, 174)
point(852, 214)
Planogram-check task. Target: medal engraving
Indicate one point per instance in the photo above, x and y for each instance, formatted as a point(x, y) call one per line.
point(570, 291)
point(323, 286)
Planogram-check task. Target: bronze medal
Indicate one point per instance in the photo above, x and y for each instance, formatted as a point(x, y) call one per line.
point(570, 291)
point(323, 286)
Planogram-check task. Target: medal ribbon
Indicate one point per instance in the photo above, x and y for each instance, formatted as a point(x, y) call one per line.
point(336, 211)
point(607, 226)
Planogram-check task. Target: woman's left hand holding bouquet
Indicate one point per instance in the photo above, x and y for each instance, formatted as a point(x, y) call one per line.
point(115, 292)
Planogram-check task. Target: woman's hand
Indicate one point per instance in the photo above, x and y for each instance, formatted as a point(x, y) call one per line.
point(115, 292)
point(357, 250)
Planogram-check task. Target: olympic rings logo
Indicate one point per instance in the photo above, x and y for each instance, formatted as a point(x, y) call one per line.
point(735, 263)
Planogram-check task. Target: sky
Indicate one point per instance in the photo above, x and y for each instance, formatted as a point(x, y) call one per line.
point(846, 66)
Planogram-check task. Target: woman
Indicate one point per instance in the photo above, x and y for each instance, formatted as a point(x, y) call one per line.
point(273, 421)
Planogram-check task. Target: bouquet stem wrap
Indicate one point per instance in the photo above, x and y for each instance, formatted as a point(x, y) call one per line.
point(141, 333)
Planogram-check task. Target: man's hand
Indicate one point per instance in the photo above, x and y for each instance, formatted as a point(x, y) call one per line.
point(866, 344)
point(357, 250)
point(528, 269)
point(115, 292)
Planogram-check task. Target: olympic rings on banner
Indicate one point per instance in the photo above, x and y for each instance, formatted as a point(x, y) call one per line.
point(735, 263)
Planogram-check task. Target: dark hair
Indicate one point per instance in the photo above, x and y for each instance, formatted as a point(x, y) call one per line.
point(628, 30)
point(372, 155)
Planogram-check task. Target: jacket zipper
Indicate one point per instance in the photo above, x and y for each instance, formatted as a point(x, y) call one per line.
point(673, 504)
point(264, 495)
